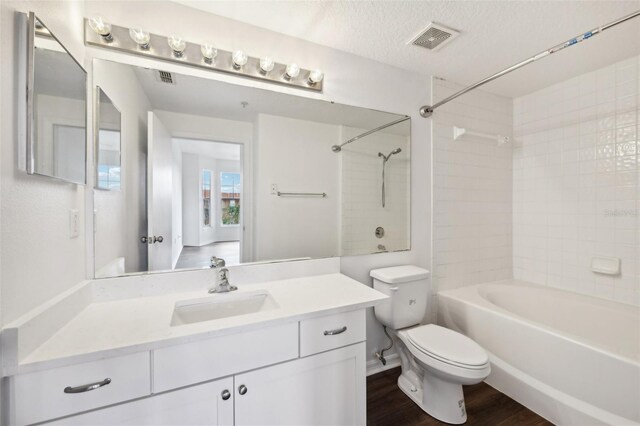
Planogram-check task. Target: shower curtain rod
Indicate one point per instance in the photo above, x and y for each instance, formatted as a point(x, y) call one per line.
point(427, 110)
point(338, 148)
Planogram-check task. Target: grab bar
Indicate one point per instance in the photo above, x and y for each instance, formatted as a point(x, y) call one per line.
point(302, 194)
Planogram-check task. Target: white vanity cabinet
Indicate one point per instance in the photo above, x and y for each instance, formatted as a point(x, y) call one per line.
point(308, 372)
point(324, 389)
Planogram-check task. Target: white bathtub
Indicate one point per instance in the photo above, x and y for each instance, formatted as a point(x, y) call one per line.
point(573, 359)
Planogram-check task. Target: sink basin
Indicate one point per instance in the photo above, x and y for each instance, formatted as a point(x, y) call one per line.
point(220, 306)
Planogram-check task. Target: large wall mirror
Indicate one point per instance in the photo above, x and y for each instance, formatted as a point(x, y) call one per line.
point(210, 169)
point(56, 91)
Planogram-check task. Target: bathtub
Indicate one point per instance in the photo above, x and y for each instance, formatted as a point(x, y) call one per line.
point(572, 358)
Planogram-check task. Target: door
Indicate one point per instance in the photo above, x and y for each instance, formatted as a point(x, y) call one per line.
point(195, 405)
point(159, 190)
point(324, 389)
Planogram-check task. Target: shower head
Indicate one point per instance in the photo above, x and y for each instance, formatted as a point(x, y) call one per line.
point(336, 148)
point(386, 157)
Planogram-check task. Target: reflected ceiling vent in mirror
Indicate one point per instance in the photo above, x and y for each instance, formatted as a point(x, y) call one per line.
point(165, 77)
point(434, 37)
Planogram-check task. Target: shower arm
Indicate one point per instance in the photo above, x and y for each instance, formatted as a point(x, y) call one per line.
point(427, 110)
point(338, 148)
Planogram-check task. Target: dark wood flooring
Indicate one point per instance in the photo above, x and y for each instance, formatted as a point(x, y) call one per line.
point(387, 405)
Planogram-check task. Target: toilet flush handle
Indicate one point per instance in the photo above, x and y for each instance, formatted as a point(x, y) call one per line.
point(393, 288)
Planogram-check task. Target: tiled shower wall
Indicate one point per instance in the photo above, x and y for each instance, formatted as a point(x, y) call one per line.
point(472, 180)
point(362, 210)
point(575, 183)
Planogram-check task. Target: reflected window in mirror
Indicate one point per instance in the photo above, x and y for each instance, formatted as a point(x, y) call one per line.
point(109, 143)
point(230, 199)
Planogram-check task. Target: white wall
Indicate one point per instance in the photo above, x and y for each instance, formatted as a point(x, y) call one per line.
point(472, 192)
point(361, 183)
point(576, 182)
point(122, 215)
point(296, 156)
point(39, 260)
point(176, 204)
point(191, 222)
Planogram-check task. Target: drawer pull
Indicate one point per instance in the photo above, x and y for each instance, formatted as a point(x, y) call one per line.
point(336, 331)
point(87, 388)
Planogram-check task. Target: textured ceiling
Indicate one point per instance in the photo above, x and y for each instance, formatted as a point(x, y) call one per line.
point(494, 34)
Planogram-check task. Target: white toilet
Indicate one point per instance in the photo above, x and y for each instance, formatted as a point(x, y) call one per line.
point(436, 361)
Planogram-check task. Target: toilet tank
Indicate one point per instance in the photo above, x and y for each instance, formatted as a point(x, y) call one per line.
point(407, 288)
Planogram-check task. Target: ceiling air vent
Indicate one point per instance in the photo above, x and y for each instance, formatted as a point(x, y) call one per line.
point(165, 77)
point(434, 37)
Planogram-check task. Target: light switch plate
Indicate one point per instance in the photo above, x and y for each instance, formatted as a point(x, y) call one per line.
point(74, 223)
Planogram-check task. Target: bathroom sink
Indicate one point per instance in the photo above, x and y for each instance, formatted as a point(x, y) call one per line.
point(221, 306)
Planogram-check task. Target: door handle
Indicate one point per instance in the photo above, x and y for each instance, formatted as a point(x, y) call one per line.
point(158, 239)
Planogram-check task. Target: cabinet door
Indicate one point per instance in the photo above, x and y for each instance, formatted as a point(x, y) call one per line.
point(195, 405)
point(324, 389)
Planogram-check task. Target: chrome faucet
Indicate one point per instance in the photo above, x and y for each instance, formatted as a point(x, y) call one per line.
point(217, 262)
point(222, 285)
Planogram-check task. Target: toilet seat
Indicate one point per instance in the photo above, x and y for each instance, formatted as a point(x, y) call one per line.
point(448, 346)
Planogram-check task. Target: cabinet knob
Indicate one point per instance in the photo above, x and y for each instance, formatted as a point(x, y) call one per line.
point(226, 394)
point(242, 389)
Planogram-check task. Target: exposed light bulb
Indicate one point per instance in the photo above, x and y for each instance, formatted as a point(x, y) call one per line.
point(315, 77)
point(209, 52)
point(140, 37)
point(292, 71)
point(239, 59)
point(266, 65)
point(177, 44)
point(100, 27)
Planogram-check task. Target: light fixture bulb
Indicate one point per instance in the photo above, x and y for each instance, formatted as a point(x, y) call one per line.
point(239, 59)
point(100, 27)
point(315, 77)
point(140, 37)
point(177, 44)
point(209, 52)
point(266, 65)
point(292, 71)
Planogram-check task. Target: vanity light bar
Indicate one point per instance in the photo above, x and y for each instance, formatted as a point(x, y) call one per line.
point(204, 56)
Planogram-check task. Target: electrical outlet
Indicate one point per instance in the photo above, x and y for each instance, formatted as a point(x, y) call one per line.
point(74, 223)
point(274, 189)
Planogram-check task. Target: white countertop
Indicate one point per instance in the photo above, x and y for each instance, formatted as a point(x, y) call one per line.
point(116, 327)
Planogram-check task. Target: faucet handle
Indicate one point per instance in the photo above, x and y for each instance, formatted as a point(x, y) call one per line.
point(223, 273)
point(217, 262)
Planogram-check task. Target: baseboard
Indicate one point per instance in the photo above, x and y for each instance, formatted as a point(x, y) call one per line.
point(374, 366)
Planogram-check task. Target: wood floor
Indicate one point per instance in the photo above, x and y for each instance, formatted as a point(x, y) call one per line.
point(387, 405)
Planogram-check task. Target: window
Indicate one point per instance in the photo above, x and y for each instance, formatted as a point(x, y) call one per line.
point(230, 198)
point(109, 160)
point(206, 197)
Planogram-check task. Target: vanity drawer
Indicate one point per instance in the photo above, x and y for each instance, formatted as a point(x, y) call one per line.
point(44, 395)
point(332, 331)
point(195, 362)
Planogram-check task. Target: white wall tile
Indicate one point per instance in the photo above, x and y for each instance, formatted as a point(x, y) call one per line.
point(576, 185)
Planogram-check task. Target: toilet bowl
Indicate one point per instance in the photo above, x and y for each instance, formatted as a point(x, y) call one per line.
point(436, 361)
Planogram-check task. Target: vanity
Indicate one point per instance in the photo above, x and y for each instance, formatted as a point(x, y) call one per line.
point(288, 351)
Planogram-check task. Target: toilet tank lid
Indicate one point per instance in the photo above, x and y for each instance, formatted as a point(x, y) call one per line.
point(399, 274)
